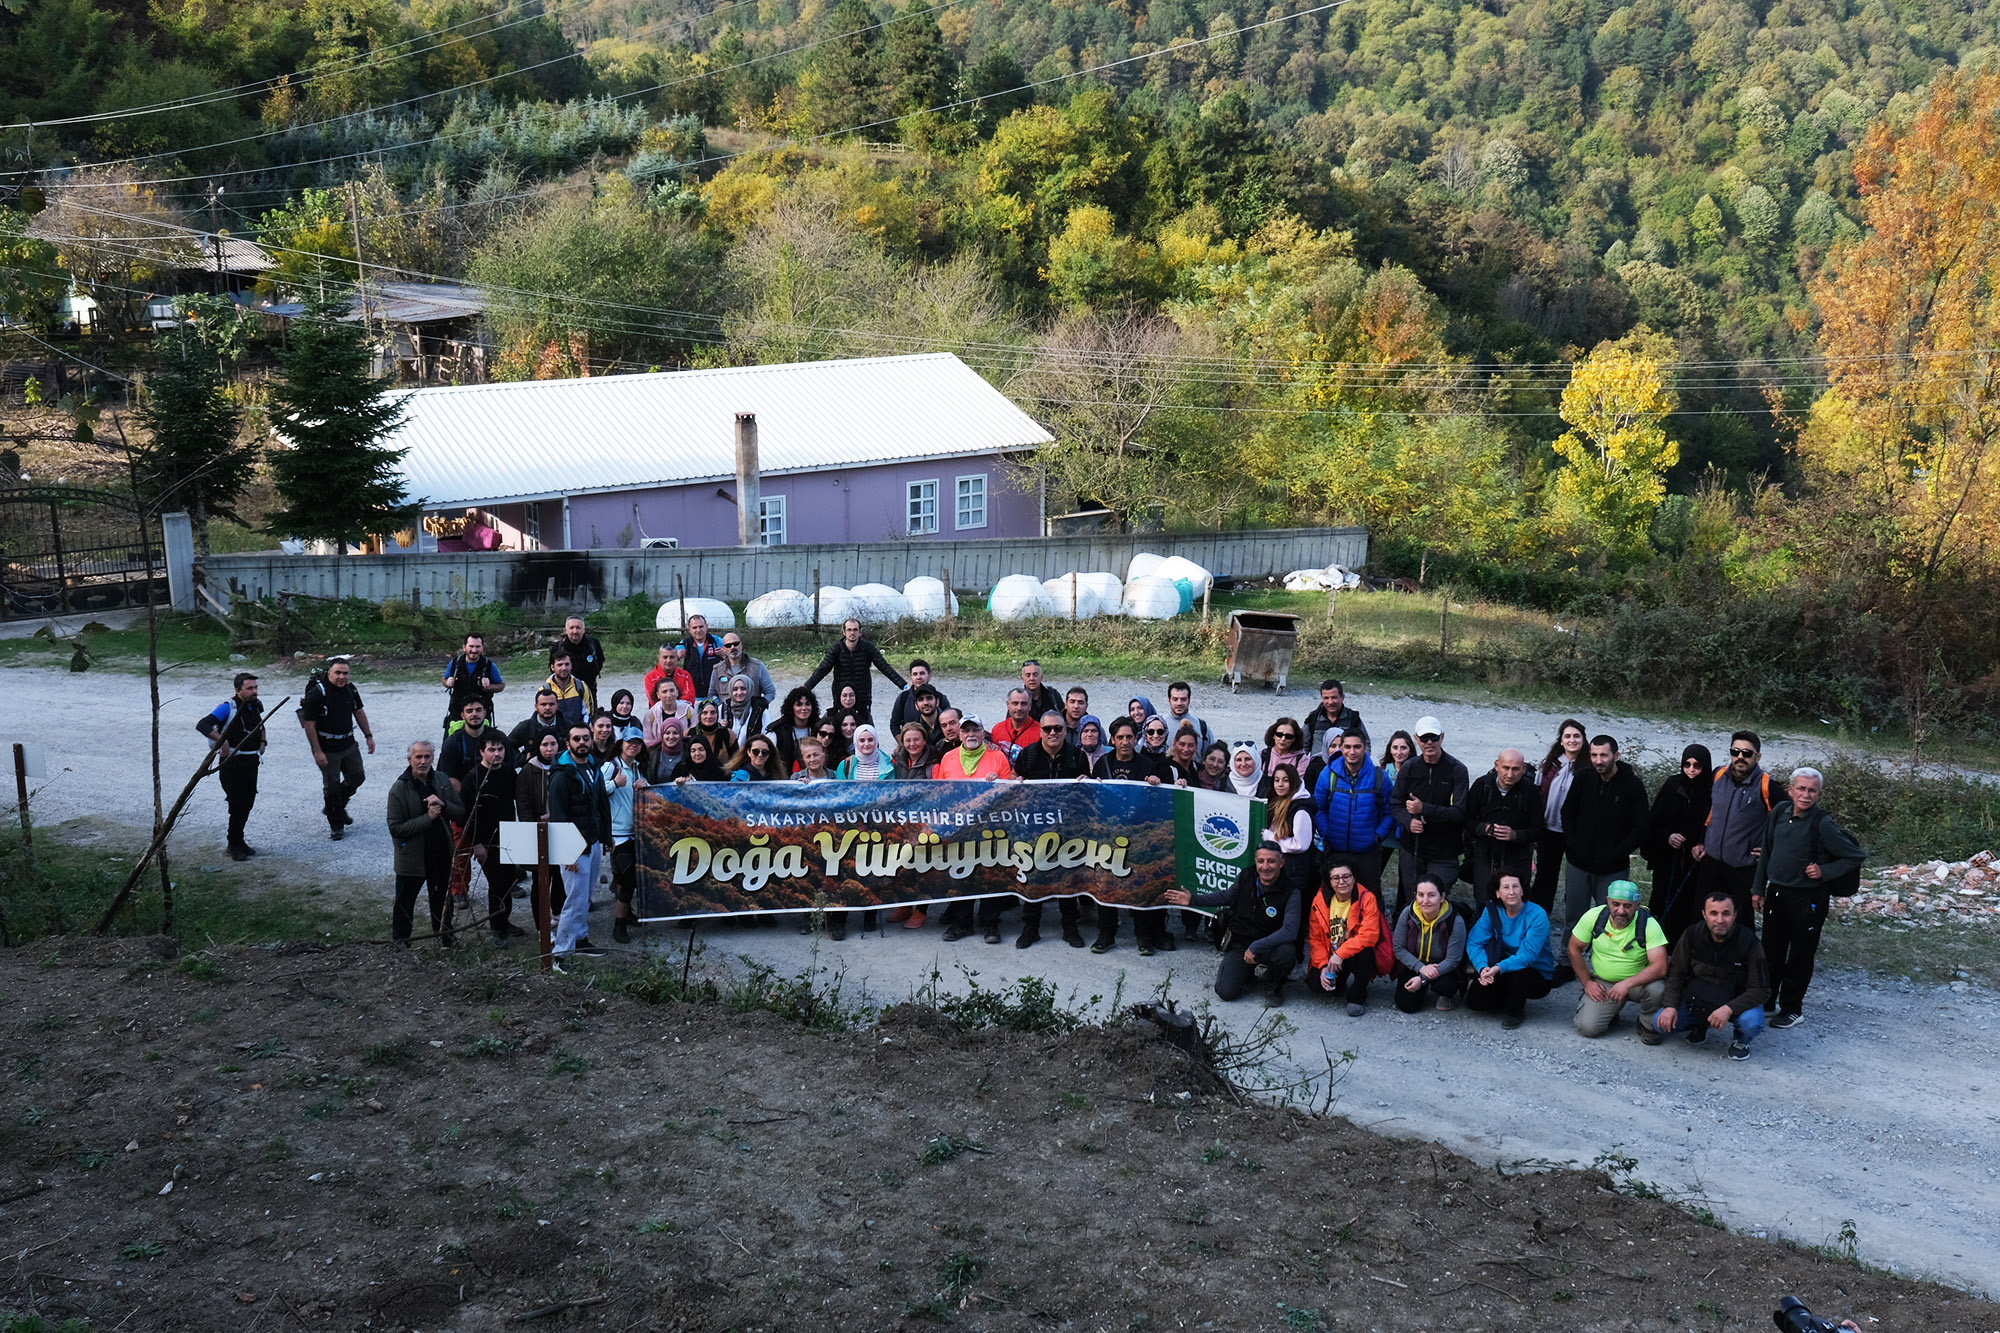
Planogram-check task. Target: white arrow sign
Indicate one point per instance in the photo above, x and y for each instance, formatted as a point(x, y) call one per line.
point(517, 843)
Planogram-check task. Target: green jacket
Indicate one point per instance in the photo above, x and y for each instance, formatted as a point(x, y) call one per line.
point(417, 836)
point(1788, 850)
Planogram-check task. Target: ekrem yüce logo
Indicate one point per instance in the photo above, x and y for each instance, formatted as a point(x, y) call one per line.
point(1221, 836)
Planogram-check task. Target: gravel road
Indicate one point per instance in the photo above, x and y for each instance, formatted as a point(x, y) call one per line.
point(1892, 1083)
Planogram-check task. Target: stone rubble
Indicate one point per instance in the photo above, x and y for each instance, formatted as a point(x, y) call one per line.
point(1929, 893)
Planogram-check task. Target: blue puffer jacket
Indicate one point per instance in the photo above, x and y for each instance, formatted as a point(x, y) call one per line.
point(1352, 814)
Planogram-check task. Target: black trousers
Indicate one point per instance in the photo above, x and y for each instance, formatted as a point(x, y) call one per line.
point(339, 780)
point(624, 870)
point(1234, 976)
point(1350, 979)
point(239, 788)
point(437, 879)
point(1149, 924)
point(500, 880)
point(1793, 920)
point(1491, 859)
point(1548, 871)
point(1070, 908)
point(959, 911)
point(1410, 1001)
point(1509, 993)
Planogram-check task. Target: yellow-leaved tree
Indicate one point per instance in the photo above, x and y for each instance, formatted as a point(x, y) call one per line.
point(1615, 454)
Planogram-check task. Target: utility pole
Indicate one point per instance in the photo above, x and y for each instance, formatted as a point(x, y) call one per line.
point(215, 238)
point(360, 270)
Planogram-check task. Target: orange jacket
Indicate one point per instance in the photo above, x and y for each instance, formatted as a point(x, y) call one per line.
point(992, 764)
point(1365, 930)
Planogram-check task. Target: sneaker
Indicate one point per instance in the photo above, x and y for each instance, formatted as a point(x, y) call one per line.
point(1651, 1036)
point(836, 930)
point(556, 965)
point(1446, 1004)
point(621, 931)
point(1165, 943)
point(1697, 1034)
point(1146, 948)
point(1274, 999)
point(240, 853)
point(1030, 936)
point(1739, 1049)
point(1072, 937)
point(915, 920)
point(1356, 1010)
point(992, 934)
point(1512, 1021)
point(1102, 944)
point(1782, 1021)
point(585, 949)
point(898, 915)
point(335, 835)
point(953, 934)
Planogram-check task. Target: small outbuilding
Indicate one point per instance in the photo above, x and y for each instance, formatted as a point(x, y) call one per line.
point(868, 450)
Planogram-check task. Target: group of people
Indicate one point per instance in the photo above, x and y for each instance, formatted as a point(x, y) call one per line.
point(1354, 882)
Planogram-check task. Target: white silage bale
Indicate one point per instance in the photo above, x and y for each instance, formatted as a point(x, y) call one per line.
point(1153, 599)
point(878, 603)
point(1071, 588)
point(778, 609)
point(1109, 590)
point(718, 614)
point(1180, 567)
point(1019, 597)
point(835, 605)
point(1144, 565)
point(928, 598)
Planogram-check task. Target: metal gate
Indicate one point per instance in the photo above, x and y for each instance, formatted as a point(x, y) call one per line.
point(72, 549)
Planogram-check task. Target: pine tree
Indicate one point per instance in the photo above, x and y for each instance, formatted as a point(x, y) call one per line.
point(338, 482)
point(194, 462)
point(916, 69)
point(843, 90)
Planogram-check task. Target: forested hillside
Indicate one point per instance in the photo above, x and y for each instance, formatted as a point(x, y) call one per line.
point(1548, 286)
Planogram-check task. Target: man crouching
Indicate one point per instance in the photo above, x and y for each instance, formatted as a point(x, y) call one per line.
point(1261, 914)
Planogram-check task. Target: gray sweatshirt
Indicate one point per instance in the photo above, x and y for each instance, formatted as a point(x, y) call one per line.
point(1447, 938)
point(1737, 818)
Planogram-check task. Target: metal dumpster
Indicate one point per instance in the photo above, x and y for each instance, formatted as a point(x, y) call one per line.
point(1260, 648)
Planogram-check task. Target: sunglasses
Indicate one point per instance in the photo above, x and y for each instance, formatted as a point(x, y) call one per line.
point(732, 643)
point(1053, 726)
point(759, 752)
point(1742, 754)
point(1286, 735)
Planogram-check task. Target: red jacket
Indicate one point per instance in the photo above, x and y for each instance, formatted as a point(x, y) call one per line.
point(682, 680)
point(1365, 930)
point(992, 764)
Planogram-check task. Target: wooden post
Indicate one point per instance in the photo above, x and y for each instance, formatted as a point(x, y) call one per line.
point(21, 799)
point(1206, 589)
point(816, 602)
point(681, 592)
point(1072, 596)
point(1444, 625)
point(416, 597)
point(950, 621)
point(749, 484)
point(541, 899)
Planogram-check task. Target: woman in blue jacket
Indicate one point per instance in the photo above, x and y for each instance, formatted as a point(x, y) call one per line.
point(1508, 950)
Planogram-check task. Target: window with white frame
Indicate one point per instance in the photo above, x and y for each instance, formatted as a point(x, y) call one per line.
point(971, 502)
point(531, 525)
point(923, 507)
point(771, 520)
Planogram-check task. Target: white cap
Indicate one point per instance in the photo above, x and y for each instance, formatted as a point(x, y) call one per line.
point(1427, 726)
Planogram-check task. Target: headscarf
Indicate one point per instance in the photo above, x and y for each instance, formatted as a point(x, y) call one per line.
point(709, 769)
point(1095, 752)
point(1239, 784)
point(868, 765)
point(1151, 712)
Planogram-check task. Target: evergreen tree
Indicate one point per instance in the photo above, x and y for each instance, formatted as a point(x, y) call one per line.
point(194, 462)
point(337, 481)
point(916, 68)
point(844, 87)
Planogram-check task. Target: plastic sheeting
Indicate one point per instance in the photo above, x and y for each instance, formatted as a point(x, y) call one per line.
point(835, 604)
point(1332, 578)
point(779, 608)
point(718, 614)
point(1088, 600)
point(1020, 597)
point(1178, 567)
point(878, 603)
point(928, 598)
point(1144, 565)
point(1109, 589)
point(1154, 599)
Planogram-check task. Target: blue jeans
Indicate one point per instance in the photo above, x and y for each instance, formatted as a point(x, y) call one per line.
point(1748, 1024)
point(577, 885)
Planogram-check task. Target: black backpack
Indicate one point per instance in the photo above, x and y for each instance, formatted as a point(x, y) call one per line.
point(1847, 885)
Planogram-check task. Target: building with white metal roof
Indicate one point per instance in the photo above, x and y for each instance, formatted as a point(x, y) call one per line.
point(853, 450)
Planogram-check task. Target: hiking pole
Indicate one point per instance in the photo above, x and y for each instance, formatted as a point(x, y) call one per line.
point(167, 824)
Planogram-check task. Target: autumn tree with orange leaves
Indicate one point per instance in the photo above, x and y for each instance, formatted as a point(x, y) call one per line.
point(1901, 455)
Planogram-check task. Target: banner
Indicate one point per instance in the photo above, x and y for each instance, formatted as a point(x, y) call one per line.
point(722, 848)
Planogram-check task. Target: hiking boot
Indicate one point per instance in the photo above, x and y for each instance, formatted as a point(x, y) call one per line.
point(953, 934)
point(992, 935)
point(1446, 1004)
point(836, 930)
point(1651, 1036)
point(1512, 1021)
point(621, 931)
point(1102, 944)
point(1275, 998)
point(337, 833)
point(1072, 937)
point(898, 915)
point(1783, 1021)
point(1697, 1034)
point(585, 949)
point(1739, 1049)
point(1030, 936)
point(240, 853)
point(1356, 1010)
point(1165, 943)
point(1146, 948)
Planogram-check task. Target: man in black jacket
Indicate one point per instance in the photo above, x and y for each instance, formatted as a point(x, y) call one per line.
point(849, 661)
point(1265, 915)
point(421, 809)
point(236, 731)
point(1126, 762)
point(1332, 717)
point(526, 737)
point(1042, 697)
point(702, 655)
point(905, 710)
point(1428, 803)
point(586, 654)
point(1716, 975)
point(489, 797)
point(1054, 759)
point(463, 749)
point(577, 795)
point(1804, 852)
point(1503, 817)
point(1604, 821)
point(330, 715)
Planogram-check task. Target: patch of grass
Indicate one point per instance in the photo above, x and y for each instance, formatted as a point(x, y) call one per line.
point(1029, 1005)
point(203, 968)
point(30, 1068)
point(511, 1207)
point(34, 1323)
point(490, 1047)
point(569, 1063)
point(92, 1159)
point(277, 1149)
point(944, 1147)
point(1928, 956)
point(958, 1272)
point(656, 1226)
point(397, 1053)
point(142, 1251)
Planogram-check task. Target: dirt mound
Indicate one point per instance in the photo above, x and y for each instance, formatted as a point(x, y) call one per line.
point(352, 1138)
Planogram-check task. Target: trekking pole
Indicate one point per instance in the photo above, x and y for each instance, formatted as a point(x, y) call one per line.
point(167, 824)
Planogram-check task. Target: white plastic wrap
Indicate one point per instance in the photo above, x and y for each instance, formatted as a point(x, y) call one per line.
point(878, 603)
point(928, 598)
point(718, 613)
point(1088, 602)
point(1179, 567)
point(1153, 599)
point(1019, 597)
point(779, 608)
point(1144, 565)
point(835, 605)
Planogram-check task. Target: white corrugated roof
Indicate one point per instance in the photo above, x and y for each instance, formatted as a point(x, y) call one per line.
point(544, 438)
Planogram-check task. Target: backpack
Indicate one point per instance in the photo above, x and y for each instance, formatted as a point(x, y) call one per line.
point(1639, 924)
point(1847, 885)
point(315, 682)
